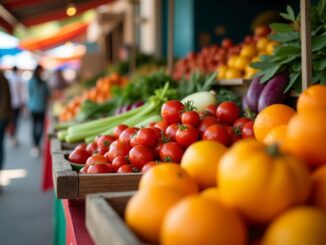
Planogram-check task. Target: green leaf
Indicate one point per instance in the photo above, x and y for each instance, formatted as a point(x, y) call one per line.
point(321, 8)
point(286, 16)
point(316, 76)
point(293, 79)
point(281, 27)
point(290, 12)
point(323, 79)
point(318, 42)
point(269, 73)
point(296, 65)
point(285, 37)
point(320, 64)
point(261, 65)
point(286, 50)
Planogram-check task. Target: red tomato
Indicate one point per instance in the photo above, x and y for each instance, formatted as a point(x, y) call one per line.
point(91, 148)
point(227, 112)
point(81, 146)
point(162, 125)
point(186, 135)
point(217, 133)
point(83, 170)
point(99, 169)
point(157, 150)
point(171, 131)
point(190, 117)
point(117, 148)
point(157, 131)
point(79, 156)
point(125, 169)
point(133, 140)
point(203, 114)
point(171, 111)
point(205, 123)
point(118, 130)
point(234, 133)
point(152, 124)
point(227, 43)
point(102, 150)
point(248, 131)
point(96, 159)
point(148, 165)
point(240, 122)
point(105, 141)
point(171, 152)
point(211, 110)
point(126, 135)
point(146, 137)
point(140, 155)
point(119, 161)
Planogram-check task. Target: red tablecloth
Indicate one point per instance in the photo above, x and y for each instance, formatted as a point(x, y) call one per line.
point(76, 232)
point(47, 182)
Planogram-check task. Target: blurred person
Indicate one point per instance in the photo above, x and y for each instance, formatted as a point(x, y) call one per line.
point(5, 114)
point(38, 92)
point(17, 101)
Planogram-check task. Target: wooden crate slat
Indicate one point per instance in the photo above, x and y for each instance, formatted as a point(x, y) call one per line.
point(104, 223)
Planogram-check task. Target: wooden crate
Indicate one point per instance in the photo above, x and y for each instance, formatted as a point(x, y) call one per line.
point(104, 219)
point(68, 184)
point(57, 146)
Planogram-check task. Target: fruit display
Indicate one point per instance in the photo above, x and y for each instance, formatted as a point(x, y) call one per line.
point(99, 94)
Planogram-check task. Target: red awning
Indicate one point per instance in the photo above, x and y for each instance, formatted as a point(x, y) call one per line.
point(65, 34)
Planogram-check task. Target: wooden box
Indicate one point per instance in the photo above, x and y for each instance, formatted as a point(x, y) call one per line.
point(69, 184)
point(57, 146)
point(104, 219)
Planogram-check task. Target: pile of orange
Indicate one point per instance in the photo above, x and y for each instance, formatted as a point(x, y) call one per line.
point(100, 93)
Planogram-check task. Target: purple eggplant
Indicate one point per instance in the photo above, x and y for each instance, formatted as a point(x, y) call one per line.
point(273, 91)
point(137, 104)
point(253, 93)
point(244, 104)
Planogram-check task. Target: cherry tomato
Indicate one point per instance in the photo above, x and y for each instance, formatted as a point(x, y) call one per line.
point(171, 152)
point(211, 110)
point(79, 156)
point(126, 135)
point(146, 137)
point(203, 114)
point(157, 150)
point(248, 130)
point(186, 135)
point(83, 170)
point(140, 155)
point(81, 146)
point(152, 124)
point(96, 159)
point(125, 169)
point(227, 112)
point(102, 150)
point(119, 161)
point(171, 111)
point(117, 148)
point(148, 165)
point(162, 125)
point(100, 168)
point(105, 141)
point(118, 130)
point(91, 148)
point(217, 133)
point(227, 43)
point(133, 140)
point(171, 131)
point(157, 131)
point(240, 122)
point(234, 133)
point(205, 123)
point(191, 118)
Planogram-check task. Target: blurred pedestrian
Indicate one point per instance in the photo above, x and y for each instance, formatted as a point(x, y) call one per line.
point(17, 101)
point(5, 113)
point(38, 92)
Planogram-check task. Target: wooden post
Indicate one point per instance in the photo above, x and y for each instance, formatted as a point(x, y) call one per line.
point(170, 35)
point(305, 43)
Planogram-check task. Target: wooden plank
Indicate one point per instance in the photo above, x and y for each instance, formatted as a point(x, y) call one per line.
point(115, 182)
point(305, 43)
point(103, 222)
point(55, 145)
point(65, 180)
point(170, 35)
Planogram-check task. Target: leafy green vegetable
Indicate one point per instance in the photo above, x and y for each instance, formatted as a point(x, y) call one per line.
point(224, 94)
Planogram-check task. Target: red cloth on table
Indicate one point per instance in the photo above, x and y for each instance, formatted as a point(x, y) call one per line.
point(47, 182)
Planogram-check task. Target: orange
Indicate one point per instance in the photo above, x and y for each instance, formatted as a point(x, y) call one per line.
point(146, 209)
point(306, 136)
point(169, 174)
point(212, 193)
point(319, 187)
point(262, 43)
point(270, 47)
point(201, 159)
point(250, 72)
point(298, 226)
point(221, 71)
point(241, 63)
point(248, 51)
point(311, 98)
point(271, 117)
point(231, 61)
point(198, 220)
point(277, 136)
point(232, 73)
